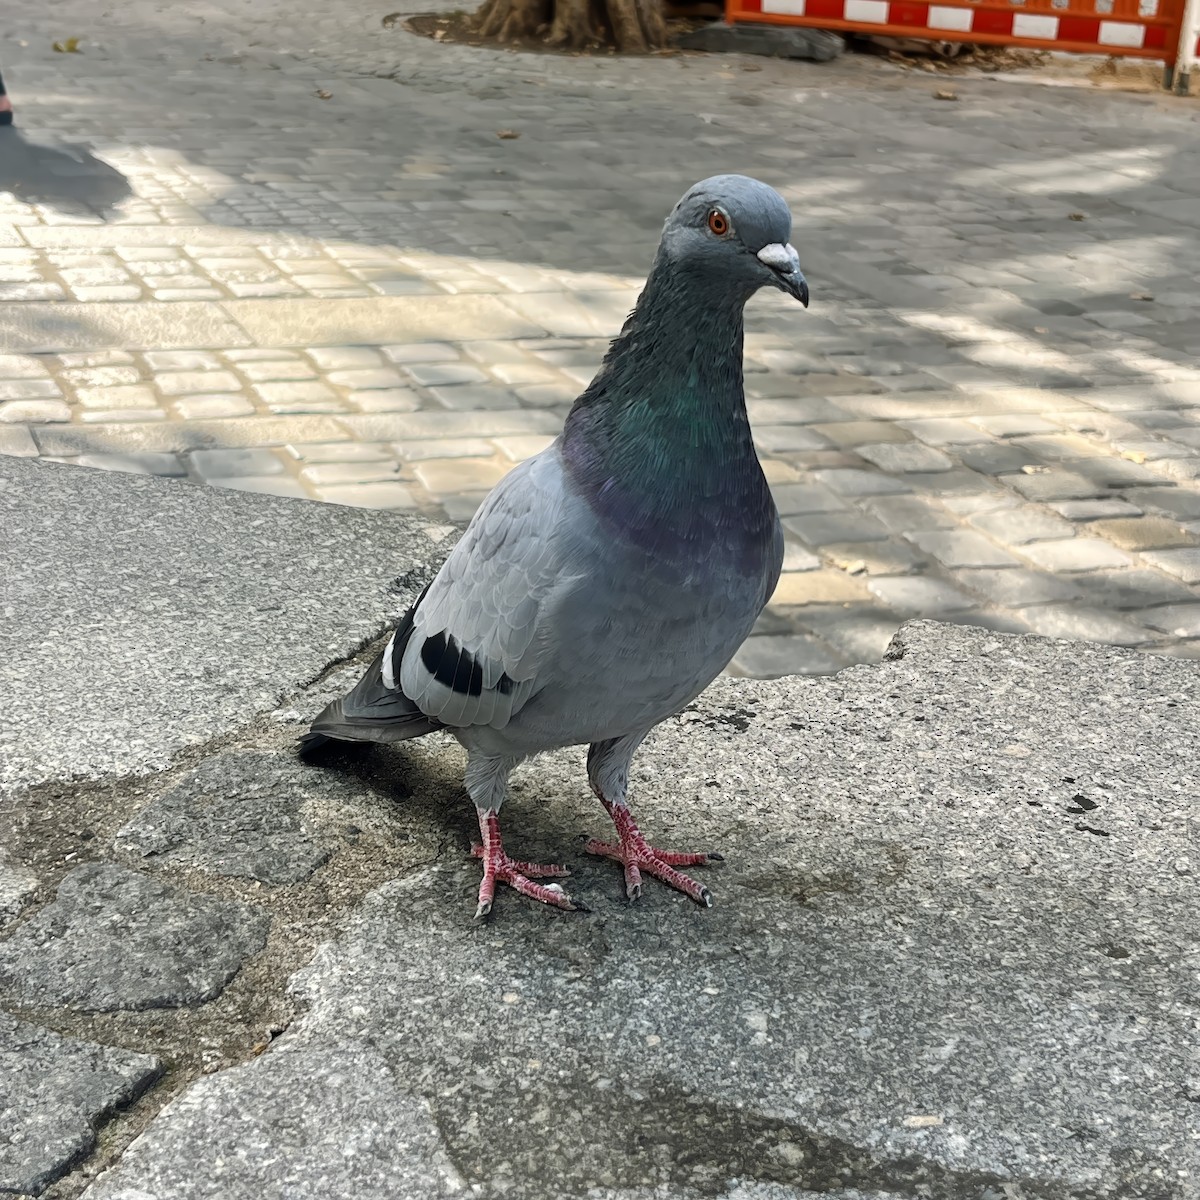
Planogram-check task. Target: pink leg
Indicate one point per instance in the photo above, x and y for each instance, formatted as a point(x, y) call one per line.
point(638, 855)
point(499, 868)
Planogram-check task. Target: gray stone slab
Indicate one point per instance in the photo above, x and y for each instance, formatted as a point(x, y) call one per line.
point(305, 1120)
point(17, 884)
point(145, 325)
point(351, 322)
point(949, 956)
point(54, 1093)
point(117, 939)
point(255, 596)
point(245, 814)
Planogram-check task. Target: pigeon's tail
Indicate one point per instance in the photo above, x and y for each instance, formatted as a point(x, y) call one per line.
point(372, 711)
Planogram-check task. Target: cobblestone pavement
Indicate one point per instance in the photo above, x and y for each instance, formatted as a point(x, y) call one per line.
point(991, 413)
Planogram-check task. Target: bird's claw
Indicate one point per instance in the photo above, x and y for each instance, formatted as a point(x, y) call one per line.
point(520, 876)
point(637, 855)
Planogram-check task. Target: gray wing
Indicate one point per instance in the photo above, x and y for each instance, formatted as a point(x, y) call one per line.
point(480, 634)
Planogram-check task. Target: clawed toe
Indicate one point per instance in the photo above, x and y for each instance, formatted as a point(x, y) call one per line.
point(637, 855)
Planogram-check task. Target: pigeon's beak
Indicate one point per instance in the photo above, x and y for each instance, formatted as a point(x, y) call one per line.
point(784, 264)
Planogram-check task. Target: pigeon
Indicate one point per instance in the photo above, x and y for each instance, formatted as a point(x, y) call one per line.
point(606, 581)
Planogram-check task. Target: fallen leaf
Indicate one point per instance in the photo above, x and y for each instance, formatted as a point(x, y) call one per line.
point(507, 135)
point(1076, 216)
point(66, 46)
point(1140, 296)
point(1134, 456)
point(1029, 469)
point(438, 34)
point(322, 94)
point(945, 94)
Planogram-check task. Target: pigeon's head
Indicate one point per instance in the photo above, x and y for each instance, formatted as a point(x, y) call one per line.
point(732, 231)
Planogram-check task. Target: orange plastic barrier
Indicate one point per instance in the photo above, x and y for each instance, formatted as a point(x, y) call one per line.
point(1139, 28)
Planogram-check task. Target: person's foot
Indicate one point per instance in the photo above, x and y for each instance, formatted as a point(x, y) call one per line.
point(6, 111)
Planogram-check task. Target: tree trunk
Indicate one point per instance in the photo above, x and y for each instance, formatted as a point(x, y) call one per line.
point(633, 26)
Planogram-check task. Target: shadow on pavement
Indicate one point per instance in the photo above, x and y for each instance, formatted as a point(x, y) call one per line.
point(67, 177)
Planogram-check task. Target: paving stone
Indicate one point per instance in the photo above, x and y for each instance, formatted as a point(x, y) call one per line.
point(769, 657)
point(248, 815)
point(1142, 533)
point(792, 498)
point(474, 398)
point(277, 370)
point(817, 587)
point(117, 939)
point(459, 474)
point(334, 473)
point(300, 396)
point(859, 632)
point(367, 1137)
point(184, 383)
point(325, 474)
point(1021, 524)
point(136, 464)
point(994, 458)
point(57, 1092)
point(1177, 620)
point(126, 396)
point(787, 439)
point(1015, 587)
point(820, 529)
point(345, 358)
point(1132, 588)
point(1075, 554)
point(873, 558)
point(421, 352)
point(222, 464)
point(341, 452)
point(21, 366)
point(1077, 623)
point(852, 481)
point(266, 485)
point(1171, 502)
point(797, 558)
point(904, 456)
point(368, 495)
point(518, 449)
point(206, 408)
point(902, 514)
point(962, 548)
point(34, 411)
point(401, 427)
point(1054, 484)
point(17, 440)
point(1183, 564)
point(1008, 425)
point(859, 433)
point(366, 378)
point(941, 431)
point(919, 594)
point(1093, 510)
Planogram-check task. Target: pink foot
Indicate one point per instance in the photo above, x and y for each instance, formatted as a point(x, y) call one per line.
point(638, 855)
point(499, 868)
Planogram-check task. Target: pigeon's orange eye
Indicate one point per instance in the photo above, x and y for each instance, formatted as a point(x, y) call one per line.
point(718, 222)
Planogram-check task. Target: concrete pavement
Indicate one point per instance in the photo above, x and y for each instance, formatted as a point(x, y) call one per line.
point(990, 414)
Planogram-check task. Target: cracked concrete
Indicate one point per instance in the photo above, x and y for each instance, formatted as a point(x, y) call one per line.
point(951, 954)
